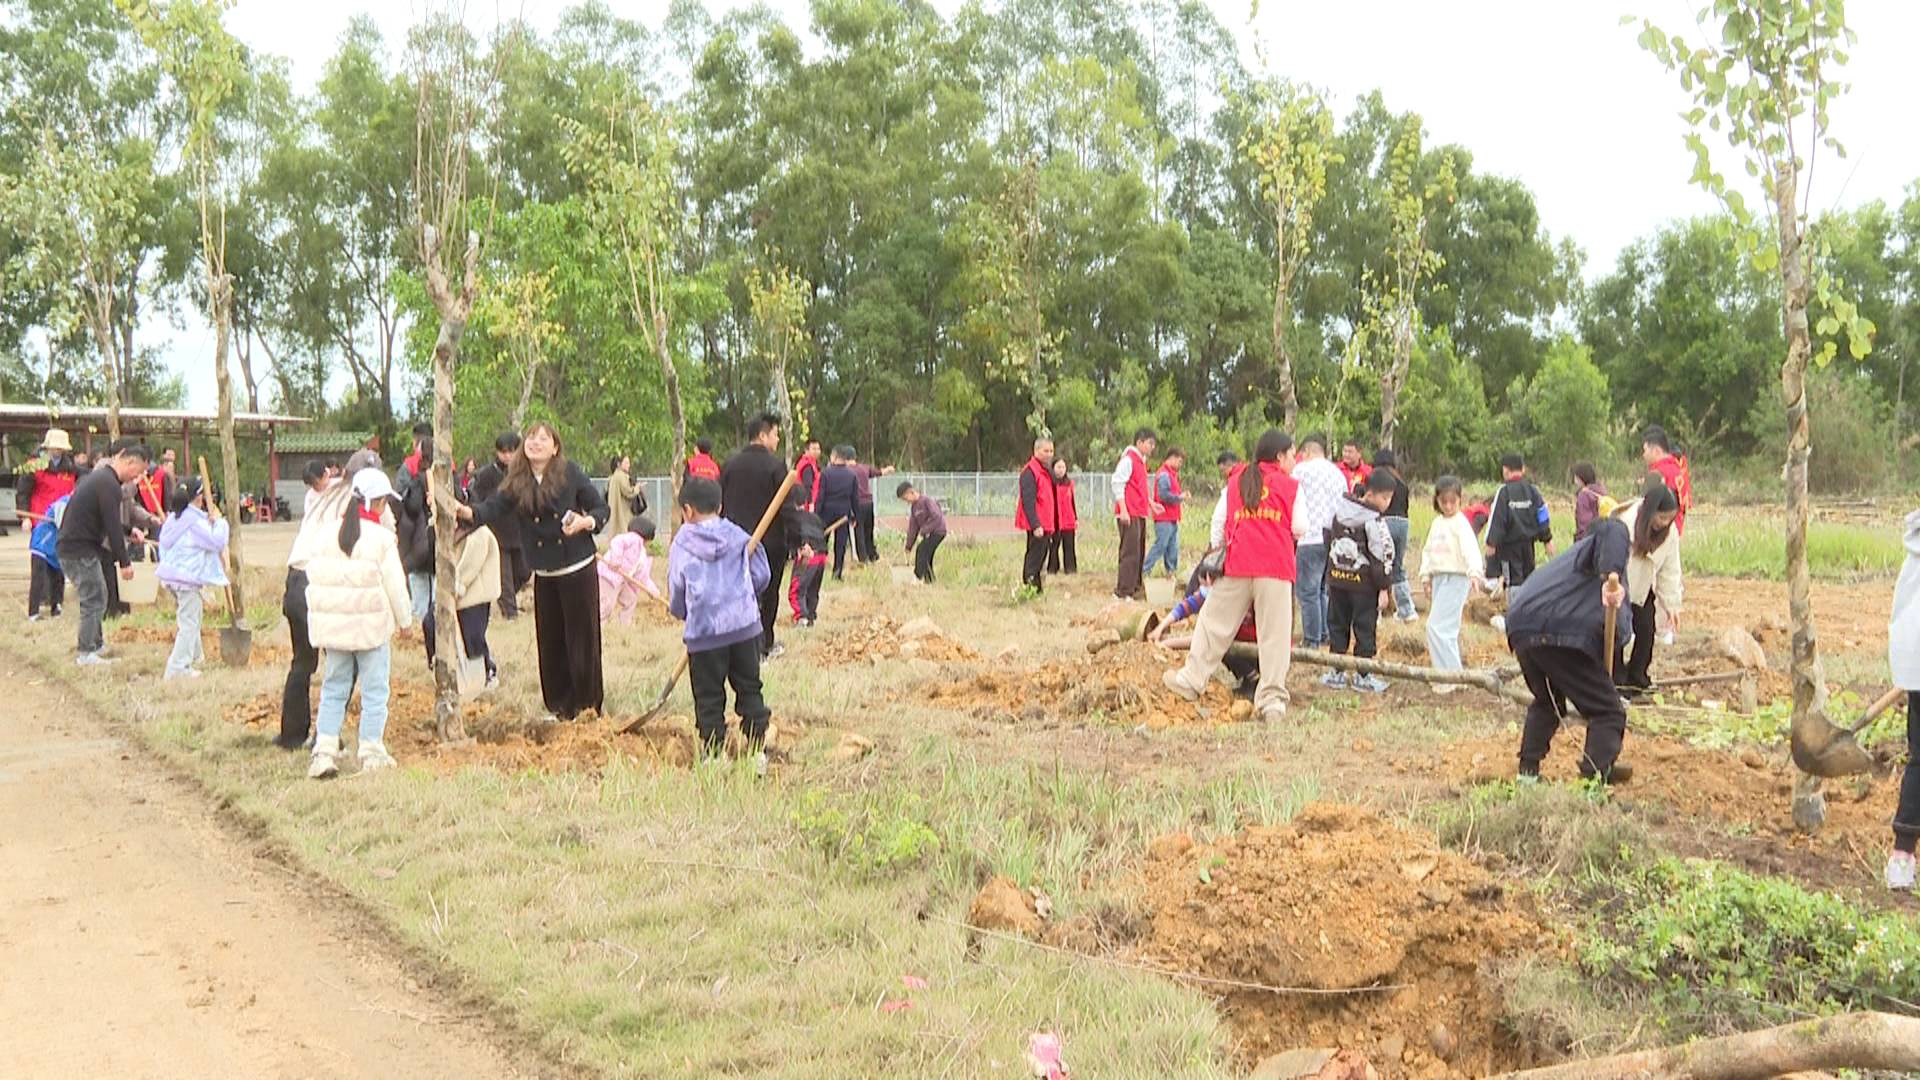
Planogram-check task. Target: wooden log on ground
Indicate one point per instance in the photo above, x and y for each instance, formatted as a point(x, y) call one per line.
point(1494, 681)
point(1871, 1040)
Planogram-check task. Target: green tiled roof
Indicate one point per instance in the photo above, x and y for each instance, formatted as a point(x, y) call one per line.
point(321, 442)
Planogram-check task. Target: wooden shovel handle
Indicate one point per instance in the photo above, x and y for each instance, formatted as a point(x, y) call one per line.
point(1612, 620)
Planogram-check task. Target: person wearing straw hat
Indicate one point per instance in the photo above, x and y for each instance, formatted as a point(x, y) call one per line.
point(42, 483)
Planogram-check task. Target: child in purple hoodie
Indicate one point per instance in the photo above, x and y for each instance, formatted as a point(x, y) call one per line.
point(714, 576)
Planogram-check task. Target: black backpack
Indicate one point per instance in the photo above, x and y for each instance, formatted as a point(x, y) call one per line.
point(1350, 561)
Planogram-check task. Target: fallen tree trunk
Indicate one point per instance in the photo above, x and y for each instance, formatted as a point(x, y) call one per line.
point(1493, 681)
point(1871, 1040)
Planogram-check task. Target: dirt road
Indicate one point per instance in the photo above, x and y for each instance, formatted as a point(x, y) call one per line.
point(141, 938)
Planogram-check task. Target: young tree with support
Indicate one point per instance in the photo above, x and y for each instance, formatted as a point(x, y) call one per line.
point(1291, 144)
point(778, 299)
point(1412, 261)
point(453, 94)
point(638, 209)
point(207, 65)
point(1764, 74)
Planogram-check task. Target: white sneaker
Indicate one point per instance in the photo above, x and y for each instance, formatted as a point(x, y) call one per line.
point(91, 659)
point(1172, 681)
point(1369, 684)
point(1499, 622)
point(1900, 871)
point(1334, 680)
point(326, 752)
point(777, 652)
point(184, 673)
point(35, 617)
point(760, 764)
point(374, 756)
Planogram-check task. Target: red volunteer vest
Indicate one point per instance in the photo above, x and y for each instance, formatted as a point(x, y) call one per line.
point(1673, 470)
point(1169, 512)
point(49, 488)
point(703, 465)
point(1260, 539)
point(1043, 500)
point(1136, 497)
point(1065, 508)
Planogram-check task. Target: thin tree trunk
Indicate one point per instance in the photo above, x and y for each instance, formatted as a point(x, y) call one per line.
point(1819, 748)
point(1282, 359)
point(220, 291)
point(782, 399)
point(244, 350)
point(1396, 379)
point(101, 321)
point(455, 306)
point(519, 417)
point(676, 409)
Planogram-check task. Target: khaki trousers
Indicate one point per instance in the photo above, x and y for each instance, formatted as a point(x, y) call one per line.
point(1220, 617)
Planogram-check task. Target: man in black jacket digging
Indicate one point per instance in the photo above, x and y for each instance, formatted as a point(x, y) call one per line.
point(92, 525)
point(748, 482)
point(1556, 625)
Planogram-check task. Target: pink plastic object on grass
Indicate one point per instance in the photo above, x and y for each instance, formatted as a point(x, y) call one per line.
point(1044, 1054)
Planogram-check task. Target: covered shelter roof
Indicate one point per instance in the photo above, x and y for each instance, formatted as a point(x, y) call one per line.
point(79, 420)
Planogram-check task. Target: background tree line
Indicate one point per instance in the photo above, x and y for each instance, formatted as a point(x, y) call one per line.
point(929, 237)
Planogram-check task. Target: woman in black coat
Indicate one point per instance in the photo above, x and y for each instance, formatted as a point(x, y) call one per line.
point(558, 510)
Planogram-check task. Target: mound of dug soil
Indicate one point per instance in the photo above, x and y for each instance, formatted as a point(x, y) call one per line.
point(1339, 900)
point(1120, 685)
point(882, 638)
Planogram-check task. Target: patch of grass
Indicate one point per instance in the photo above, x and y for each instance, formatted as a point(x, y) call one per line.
point(1553, 1006)
point(1716, 949)
point(1745, 546)
point(1555, 831)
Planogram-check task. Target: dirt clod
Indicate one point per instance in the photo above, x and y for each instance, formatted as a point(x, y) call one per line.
point(1120, 686)
point(1292, 1064)
point(1739, 646)
point(882, 638)
point(1003, 906)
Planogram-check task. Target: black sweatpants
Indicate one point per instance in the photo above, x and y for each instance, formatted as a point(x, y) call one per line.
point(1353, 615)
point(296, 702)
point(842, 538)
point(1556, 673)
point(45, 585)
point(923, 556)
point(514, 573)
point(1511, 563)
point(1906, 814)
point(711, 671)
point(1130, 582)
point(1633, 666)
point(473, 621)
point(1034, 567)
point(1062, 558)
point(864, 544)
point(770, 597)
point(566, 627)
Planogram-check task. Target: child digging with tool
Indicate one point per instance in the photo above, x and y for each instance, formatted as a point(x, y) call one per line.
point(926, 526)
point(627, 569)
point(193, 550)
point(714, 577)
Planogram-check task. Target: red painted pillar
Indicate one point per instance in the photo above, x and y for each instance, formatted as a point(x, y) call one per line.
point(273, 463)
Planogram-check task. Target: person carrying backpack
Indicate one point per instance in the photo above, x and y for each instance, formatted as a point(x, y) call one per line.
point(1360, 557)
point(1516, 522)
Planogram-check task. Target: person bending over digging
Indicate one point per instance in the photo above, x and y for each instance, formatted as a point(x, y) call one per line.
point(715, 574)
point(1556, 626)
point(1244, 669)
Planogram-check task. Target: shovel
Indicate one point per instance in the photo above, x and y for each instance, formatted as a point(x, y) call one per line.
point(1613, 623)
point(236, 640)
point(760, 530)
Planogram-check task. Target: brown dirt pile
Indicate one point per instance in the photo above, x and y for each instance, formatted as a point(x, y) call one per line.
point(261, 655)
point(879, 638)
point(1339, 899)
point(1120, 685)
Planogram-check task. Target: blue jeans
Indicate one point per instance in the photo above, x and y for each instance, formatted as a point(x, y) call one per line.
point(1166, 547)
point(186, 636)
point(1310, 585)
point(343, 667)
point(1443, 620)
point(420, 588)
point(1400, 529)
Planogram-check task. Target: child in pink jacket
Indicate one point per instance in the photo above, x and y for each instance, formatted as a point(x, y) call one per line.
point(627, 557)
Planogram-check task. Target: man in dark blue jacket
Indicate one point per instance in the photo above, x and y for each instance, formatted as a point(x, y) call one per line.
point(1556, 626)
point(839, 495)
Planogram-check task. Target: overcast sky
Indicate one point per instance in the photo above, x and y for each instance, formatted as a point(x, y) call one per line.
point(1553, 92)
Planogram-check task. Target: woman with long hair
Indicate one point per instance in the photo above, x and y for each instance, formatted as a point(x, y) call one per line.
point(558, 510)
point(1653, 578)
point(1259, 574)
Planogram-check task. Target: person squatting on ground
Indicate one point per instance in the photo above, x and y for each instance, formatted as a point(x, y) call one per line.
point(1903, 658)
point(714, 574)
point(1034, 513)
point(1450, 570)
point(1258, 575)
point(1063, 557)
point(476, 585)
point(1167, 499)
point(1556, 626)
point(1132, 508)
point(627, 569)
point(356, 599)
point(927, 525)
point(1360, 556)
point(809, 566)
point(1653, 575)
point(1245, 670)
point(1517, 521)
point(558, 510)
point(90, 527)
point(319, 529)
point(748, 483)
point(193, 549)
point(39, 486)
point(1400, 527)
point(1323, 487)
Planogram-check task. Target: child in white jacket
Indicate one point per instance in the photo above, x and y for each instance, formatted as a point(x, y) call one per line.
point(1450, 569)
point(356, 598)
point(1903, 657)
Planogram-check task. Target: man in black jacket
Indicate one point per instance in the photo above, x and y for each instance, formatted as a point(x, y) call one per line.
point(514, 572)
point(1556, 626)
point(839, 496)
point(92, 524)
point(748, 483)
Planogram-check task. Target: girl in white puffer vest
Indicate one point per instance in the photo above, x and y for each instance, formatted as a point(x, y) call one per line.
point(356, 598)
